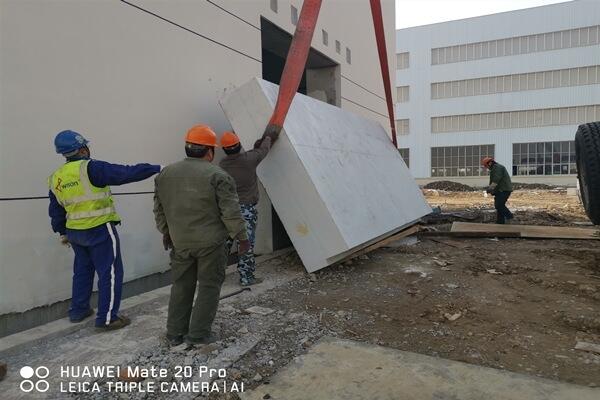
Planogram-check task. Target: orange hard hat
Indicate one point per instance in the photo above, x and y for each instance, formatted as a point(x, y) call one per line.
point(486, 161)
point(229, 139)
point(202, 135)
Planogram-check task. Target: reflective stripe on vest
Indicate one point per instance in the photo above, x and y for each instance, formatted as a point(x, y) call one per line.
point(87, 206)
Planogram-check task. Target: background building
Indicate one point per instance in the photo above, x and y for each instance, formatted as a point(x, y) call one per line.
point(514, 85)
point(133, 76)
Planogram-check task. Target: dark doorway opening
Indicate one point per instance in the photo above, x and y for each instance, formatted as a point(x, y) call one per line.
point(321, 79)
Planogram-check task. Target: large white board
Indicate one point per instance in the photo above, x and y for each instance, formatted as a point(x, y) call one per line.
point(335, 179)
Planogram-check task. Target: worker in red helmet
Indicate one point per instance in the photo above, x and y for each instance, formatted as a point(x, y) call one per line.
point(196, 209)
point(241, 165)
point(500, 187)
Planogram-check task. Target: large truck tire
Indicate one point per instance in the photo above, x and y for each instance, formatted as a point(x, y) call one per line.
point(587, 152)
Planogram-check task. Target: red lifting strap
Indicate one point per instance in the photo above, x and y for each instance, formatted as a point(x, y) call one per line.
point(296, 60)
point(383, 62)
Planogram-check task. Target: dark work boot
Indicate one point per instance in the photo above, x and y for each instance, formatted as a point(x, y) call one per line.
point(119, 323)
point(88, 313)
point(174, 340)
point(201, 341)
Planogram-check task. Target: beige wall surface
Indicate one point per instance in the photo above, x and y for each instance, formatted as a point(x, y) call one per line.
point(133, 77)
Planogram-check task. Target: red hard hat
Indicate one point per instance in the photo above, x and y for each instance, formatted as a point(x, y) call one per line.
point(486, 161)
point(229, 139)
point(201, 134)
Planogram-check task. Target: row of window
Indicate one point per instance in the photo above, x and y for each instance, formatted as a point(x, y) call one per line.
point(577, 37)
point(274, 4)
point(402, 93)
point(516, 119)
point(517, 82)
point(402, 60)
point(542, 158)
point(460, 160)
point(402, 126)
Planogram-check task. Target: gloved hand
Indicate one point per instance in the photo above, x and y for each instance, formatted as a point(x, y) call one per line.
point(64, 241)
point(243, 246)
point(273, 132)
point(257, 143)
point(167, 242)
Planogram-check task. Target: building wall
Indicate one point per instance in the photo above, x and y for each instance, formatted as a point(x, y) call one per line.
point(420, 74)
point(133, 84)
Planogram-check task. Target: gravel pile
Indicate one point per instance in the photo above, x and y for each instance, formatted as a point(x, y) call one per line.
point(449, 186)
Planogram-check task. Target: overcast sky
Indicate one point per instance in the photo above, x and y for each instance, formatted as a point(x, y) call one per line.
point(423, 12)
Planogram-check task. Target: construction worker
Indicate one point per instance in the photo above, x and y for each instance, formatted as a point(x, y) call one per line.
point(500, 187)
point(196, 209)
point(241, 165)
point(82, 212)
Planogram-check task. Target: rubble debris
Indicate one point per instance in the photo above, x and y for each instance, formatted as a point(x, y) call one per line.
point(586, 346)
point(531, 186)
point(452, 317)
point(243, 330)
point(449, 186)
point(259, 310)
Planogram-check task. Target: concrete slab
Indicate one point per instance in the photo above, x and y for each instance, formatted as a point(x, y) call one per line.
point(342, 369)
point(335, 179)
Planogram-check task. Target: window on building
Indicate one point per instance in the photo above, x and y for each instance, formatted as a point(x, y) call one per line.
point(348, 55)
point(544, 158)
point(403, 126)
point(405, 154)
point(586, 36)
point(402, 94)
point(516, 119)
point(274, 5)
point(402, 60)
point(294, 15)
point(454, 161)
point(589, 75)
point(338, 47)
point(325, 37)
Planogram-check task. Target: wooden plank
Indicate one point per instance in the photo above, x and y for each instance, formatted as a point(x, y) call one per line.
point(402, 234)
point(470, 234)
point(530, 231)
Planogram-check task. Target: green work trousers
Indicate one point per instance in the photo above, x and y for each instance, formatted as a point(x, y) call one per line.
point(205, 268)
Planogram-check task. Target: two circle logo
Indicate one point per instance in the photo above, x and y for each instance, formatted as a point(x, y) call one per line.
point(40, 373)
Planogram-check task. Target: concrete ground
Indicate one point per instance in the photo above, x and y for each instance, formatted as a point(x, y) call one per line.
point(341, 369)
point(60, 344)
point(437, 298)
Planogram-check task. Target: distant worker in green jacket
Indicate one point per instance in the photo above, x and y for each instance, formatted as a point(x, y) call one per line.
point(500, 187)
point(196, 208)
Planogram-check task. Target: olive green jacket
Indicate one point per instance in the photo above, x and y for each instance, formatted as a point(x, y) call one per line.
point(196, 203)
point(499, 175)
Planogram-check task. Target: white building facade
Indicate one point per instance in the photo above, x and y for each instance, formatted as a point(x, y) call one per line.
point(513, 85)
point(132, 77)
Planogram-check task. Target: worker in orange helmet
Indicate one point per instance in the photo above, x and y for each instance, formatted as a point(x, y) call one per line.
point(500, 187)
point(196, 208)
point(241, 165)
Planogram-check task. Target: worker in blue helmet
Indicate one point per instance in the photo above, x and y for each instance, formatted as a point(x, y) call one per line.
point(82, 212)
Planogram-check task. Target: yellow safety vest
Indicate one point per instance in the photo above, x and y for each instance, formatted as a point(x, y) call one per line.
point(87, 206)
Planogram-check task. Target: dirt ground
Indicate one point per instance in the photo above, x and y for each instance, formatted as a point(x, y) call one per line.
point(514, 304)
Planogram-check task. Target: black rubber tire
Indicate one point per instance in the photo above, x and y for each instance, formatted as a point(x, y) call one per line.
point(587, 151)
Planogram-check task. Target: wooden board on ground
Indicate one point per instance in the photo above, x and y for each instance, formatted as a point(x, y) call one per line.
point(402, 234)
point(530, 231)
point(470, 234)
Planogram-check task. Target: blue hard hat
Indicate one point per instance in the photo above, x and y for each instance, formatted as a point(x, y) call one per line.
point(69, 141)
